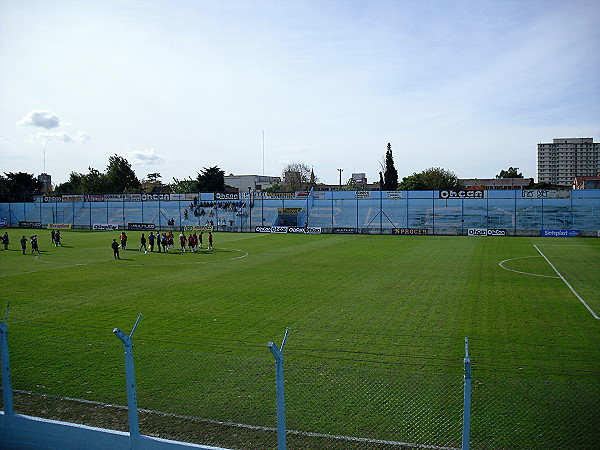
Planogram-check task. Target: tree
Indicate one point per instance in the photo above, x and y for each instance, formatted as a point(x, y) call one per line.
point(20, 183)
point(298, 177)
point(512, 172)
point(183, 186)
point(120, 176)
point(211, 180)
point(412, 183)
point(151, 182)
point(434, 178)
point(389, 180)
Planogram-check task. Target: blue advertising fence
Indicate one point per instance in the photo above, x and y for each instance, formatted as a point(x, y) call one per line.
point(503, 212)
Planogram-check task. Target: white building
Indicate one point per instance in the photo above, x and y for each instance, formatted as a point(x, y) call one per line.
point(566, 158)
point(252, 182)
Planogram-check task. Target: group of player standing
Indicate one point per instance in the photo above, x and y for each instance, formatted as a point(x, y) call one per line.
point(33, 240)
point(166, 241)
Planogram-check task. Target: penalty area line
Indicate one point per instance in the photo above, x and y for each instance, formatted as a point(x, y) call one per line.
point(568, 285)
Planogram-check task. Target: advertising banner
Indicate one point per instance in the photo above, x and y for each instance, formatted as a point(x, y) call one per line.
point(136, 226)
point(227, 196)
point(477, 232)
point(393, 194)
point(4, 224)
point(312, 230)
point(72, 198)
point(52, 199)
point(409, 231)
point(545, 193)
point(24, 224)
point(279, 229)
point(496, 232)
point(105, 227)
point(93, 197)
point(287, 211)
point(560, 233)
point(343, 230)
point(296, 230)
point(462, 194)
point(262, 229)
point(362, 194)
point(156, 197)
point(60, 226)
point(194, 228)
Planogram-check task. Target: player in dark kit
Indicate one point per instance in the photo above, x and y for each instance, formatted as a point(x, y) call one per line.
point(115, 247)
point(34, 243)
point(24, 243)
point(143, 243)
point(151, 238)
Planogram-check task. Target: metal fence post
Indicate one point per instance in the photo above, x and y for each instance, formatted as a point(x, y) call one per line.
point(466, 434)
point(279, 380)
point(6, 378)
point(134, 429)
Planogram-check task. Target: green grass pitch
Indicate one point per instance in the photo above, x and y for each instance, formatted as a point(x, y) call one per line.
point(352, 301)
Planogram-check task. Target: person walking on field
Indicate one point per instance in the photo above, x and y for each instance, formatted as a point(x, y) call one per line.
point(57, 238)
point(115, 247)
point(210, 241)
point(53, 235)
point(143, 243)
point(23, 243)
point(34, 244)
point(123, 241)
point(5, 240)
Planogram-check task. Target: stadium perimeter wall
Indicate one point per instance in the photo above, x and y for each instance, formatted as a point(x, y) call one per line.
point(26, 432)
point(507, 212)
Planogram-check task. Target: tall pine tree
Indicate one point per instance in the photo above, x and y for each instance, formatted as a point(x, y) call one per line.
point(390, 174)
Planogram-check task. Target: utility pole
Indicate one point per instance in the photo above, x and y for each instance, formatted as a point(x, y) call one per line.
point(340, 170)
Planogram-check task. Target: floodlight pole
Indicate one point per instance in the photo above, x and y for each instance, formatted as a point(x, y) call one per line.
point(6, 378)
point(134, 429)
point(279, 380)
point(466, 435)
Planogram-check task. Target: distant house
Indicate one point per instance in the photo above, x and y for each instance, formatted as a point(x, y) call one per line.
point(587, 182)
point(253, 182)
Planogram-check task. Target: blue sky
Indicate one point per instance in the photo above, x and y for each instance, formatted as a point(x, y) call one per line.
point(175, 86)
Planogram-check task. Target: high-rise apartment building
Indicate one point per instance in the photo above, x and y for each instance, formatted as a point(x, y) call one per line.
point(566, 158)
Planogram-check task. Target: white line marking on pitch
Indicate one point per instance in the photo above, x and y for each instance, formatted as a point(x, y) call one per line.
point(524, 273)
point(567, 283)
point(243, 425)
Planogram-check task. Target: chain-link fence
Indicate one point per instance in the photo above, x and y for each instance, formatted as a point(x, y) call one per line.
point(230, 401)
point(503, 212)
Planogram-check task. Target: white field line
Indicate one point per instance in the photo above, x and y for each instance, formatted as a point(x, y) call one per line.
point(243, 425)
point(569, 286)
point(524, 273)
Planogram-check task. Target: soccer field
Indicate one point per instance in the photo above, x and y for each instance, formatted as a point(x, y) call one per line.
point(529, 307)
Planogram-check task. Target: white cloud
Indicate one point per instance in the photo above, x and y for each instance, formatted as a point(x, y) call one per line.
point(82, 137)
point(44, 138)
point(148, 157)
point(40, 118)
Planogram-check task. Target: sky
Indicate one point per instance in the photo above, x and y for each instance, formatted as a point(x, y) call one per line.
point(251, 86)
